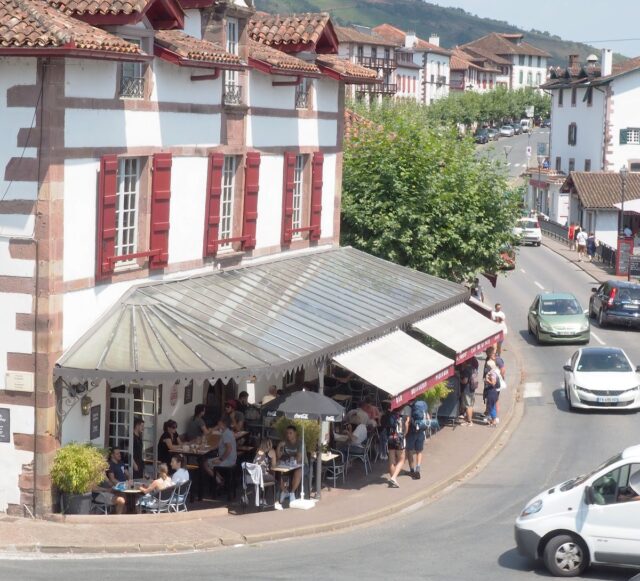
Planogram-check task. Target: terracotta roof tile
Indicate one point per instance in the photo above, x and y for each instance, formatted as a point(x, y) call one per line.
point(390, 32)
point(349, 34)
point(280, 61)
point(601, 189)
point(499, 44)
point(194, 49)
point(100, 6)
point(461, 61)
point(346, 69)
point(274, 30)
point(35, 24)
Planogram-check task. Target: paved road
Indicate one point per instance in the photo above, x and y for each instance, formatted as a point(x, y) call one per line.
point(467, 534)
point(516, 159)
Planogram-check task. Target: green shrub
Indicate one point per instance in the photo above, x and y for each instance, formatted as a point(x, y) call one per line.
point(77, 468)
point(437, 393)
point(311, 431)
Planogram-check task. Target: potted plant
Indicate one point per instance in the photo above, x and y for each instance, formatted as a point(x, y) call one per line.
point(311, 431)
point(435, 396)
point(77, 469)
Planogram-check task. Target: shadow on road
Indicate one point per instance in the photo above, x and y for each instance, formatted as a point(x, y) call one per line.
point(512, 560)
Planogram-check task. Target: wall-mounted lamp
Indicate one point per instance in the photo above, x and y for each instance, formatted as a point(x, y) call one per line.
point(85, 405)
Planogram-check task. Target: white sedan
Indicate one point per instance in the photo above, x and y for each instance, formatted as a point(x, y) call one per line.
point(601, 378)
point(507, 131)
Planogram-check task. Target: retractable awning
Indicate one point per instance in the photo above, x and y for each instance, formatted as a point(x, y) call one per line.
point(399, 365)
point(261, 319)
point(462, 329)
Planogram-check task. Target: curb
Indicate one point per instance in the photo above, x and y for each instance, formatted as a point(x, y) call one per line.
point(477, 463)
point(578, 264)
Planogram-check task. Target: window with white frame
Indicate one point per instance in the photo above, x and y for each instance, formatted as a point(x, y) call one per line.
point(298, 191)
point(127, 207)
point(633, 136)
point(302, 93)
point(132, 77)
point(226, 199)
point(232, 35)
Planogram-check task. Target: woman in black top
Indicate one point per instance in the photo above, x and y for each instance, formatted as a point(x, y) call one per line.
point(168, 441)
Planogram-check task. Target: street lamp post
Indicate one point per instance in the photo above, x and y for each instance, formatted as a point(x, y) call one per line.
point(538, 193)
point(623, 179)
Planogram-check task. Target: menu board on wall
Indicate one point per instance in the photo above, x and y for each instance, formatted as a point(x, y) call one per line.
point(188, 393)
point(94, 422)
point(5, 426)
point(634, 265)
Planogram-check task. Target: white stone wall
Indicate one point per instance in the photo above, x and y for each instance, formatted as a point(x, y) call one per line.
point(625, 113)
point(606, 229)
point(12, 460)
point(590, 127)
point(534, 69)
point(433, 90)
point(408, 83)
point(269, 226)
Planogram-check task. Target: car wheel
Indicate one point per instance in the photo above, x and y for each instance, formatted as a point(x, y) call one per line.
point(538, 243)
point(566, 394)
point(565, 556)
point(592, 314)
point(602, 321)
point(538, 336)
point(529, 328)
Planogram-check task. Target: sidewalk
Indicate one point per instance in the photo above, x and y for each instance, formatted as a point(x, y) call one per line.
point(597, 270)
point(452, 455)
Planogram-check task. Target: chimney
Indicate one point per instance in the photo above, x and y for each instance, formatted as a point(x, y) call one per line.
point(573, 60)
point(410, 39)
point(434, 39)
point(606, 62)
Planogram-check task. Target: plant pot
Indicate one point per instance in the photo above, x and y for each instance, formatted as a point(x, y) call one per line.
point(76, 503)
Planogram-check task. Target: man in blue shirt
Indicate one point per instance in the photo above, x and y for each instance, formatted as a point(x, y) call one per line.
point(116, 471)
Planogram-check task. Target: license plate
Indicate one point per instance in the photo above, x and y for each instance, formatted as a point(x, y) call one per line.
point(565, 332)
point(631, 307)
point(607, 400)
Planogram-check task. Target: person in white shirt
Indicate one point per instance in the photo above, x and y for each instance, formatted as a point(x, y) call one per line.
point(581, 239)
point(498, 316)
point(356, 437)
point(180, 473)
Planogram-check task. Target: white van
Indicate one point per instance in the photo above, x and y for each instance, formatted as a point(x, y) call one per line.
point(594, 518)
point(526, 125)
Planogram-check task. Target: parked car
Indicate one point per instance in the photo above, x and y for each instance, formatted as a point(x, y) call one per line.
point(601, 378)
point(526, 125)
point(481, 136)
point(506, 131)
point(507, 257)
point(527, 231)
point(493, 134)
point(616, 302)
point(590, 519)
point(546, 123)
point(517, 128)
point(558, 318)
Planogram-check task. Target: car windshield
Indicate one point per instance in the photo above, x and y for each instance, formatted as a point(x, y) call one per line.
point(627, 295)
point(603, 361)
point(580, 479)
point(529, 224)
point(559, 307)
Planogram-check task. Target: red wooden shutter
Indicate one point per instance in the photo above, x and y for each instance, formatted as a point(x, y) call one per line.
point(212, 214)
point(107, 201)
point(250, 209)
point(287, 197)
point(160, 207)
point(316, 195)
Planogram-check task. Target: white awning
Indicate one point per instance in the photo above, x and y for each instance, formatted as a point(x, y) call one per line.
point(631, 206)
point(462, 329)
point(399, 365)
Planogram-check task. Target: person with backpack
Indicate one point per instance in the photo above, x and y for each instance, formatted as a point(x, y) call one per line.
point(468, 385)
point(397, 426)
point(417, 435)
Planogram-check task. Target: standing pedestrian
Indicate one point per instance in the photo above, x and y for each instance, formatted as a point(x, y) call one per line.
point(138, 448)
point(572, 236)
point(581, 240)
point(397, 425)
point(417, 435)
point(468, 387)
point(491, 382)
point(591, 246)
point(498, 316)
point(476, 290)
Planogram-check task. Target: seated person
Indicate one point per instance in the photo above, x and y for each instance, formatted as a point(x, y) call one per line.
point(273, 393)
point(196, 427)
point(227, 450)
point(356, 437)
point(180, 473)
point(372, 411)
point(116, 473)
point(161, 483)
point(169, 441)
point(235, 418)
point(289, 451)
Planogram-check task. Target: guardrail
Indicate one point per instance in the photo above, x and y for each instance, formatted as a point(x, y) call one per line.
point(606, 254)
point(555, 231)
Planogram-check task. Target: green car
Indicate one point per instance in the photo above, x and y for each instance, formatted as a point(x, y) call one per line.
point(558, 318)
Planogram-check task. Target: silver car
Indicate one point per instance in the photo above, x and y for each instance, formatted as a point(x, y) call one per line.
point(507, 131)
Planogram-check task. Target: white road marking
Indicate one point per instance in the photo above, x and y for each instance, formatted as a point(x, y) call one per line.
point(533, 389)
point(597, 338)
point(538, 285)
point(509, 164)
point(523, 271)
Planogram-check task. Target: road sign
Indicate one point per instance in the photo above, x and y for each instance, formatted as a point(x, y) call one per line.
point(529, 111)
point(542, 148)
point(528, 151)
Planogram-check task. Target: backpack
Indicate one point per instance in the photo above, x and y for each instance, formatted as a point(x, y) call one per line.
point(473, 380)
point(419, 420)
point(395, 435)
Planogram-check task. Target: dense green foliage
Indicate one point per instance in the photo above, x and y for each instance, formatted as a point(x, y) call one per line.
point(454, 25)
point(419, 196)
point(311, 431)
point(492, 107)
point(77, 468)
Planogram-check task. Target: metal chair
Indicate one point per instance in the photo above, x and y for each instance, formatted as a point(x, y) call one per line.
point(178, 502)
point(361, 453)
point(160, 501)
point(335, 469)
point(250, 486)
point(101, 503)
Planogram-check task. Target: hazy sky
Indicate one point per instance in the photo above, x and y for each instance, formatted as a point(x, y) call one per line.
point(582, 20)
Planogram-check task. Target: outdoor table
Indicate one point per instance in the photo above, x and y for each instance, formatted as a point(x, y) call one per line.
point(340, 397)
point(131, 495)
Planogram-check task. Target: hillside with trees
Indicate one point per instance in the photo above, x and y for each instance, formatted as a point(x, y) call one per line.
point(454, 25)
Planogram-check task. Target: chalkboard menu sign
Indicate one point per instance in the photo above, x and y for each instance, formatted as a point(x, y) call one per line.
point(188, 393)
point(5, 425)
point(625, 251)
point(634, 265)
point(94, 422)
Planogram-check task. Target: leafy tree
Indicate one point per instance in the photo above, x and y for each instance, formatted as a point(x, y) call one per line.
point(418, 195)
